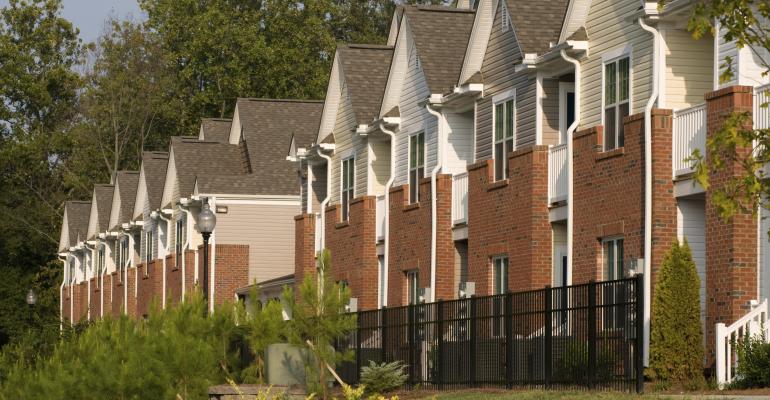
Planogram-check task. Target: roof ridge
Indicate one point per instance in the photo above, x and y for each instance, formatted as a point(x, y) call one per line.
point(367, 46)
point(280, 100)
point(438, 8)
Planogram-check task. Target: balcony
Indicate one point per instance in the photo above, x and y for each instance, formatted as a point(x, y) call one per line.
point(762, 114)
point(380, 211)
point(689, 134)
point(460, 199)
point(558, 182)
point(319, 231)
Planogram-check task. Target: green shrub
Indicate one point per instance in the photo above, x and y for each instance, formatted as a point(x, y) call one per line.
point(754, 367)
point(382, 378)
point(676, 339)
point(574, 364)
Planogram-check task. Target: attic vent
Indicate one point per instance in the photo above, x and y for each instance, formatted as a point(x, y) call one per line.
point(506, 17)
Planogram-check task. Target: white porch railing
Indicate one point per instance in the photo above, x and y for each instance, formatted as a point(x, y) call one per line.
point(460, 198)
point(762, 114)
point(319, 231)
point(689, 134)
point(558, 183)
point(380, 211)
point(751, 324)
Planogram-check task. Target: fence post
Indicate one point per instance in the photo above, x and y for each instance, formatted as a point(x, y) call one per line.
point(383, 334)
point(639, 360)
point(509, 340)
point(548, 335)
point(472, 344)
point(591, 333)
point(411, 340)
point(440, 345)
point(358, 347)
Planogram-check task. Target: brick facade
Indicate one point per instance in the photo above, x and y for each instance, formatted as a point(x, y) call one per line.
point(510, 217)
point(304, 247)
point(94, 303)
point(731, 246)
point(353, 248)
point(173, 281)
point(410, 236)
point(232, 271)
point(131, 278)
point(118, 294)
point(106, 299)
point(149, 291)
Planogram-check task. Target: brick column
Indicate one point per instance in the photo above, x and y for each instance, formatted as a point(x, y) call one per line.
point(189, 270)
point(304, 248)
point(93, 300)
point(731, 246)
point(131, 282)
point(117, 294)
point(106, 287)
point(232, 271)
point(173, 281)
point(65, 305)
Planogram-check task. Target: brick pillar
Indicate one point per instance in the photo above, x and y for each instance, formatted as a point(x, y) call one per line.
point(232, 271)
point(131, 281)
point(117, 293)
point(304, 248)
point(65, 305)
point(189, 270)
point(106, 287)
point(664, 219)
point(93, 300)
point(510, 218)
point(731, 246)
point(173, 281)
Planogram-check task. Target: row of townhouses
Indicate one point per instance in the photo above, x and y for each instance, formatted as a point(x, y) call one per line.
point(505, 145)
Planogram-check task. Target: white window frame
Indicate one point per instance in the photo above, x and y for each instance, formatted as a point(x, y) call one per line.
point(413, 286)
point(414, 187)
point(347, 194)
point(502, 99)
point(613, 57)
point(613, 317)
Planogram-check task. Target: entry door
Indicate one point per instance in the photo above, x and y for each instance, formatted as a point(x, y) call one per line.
point(566, 109)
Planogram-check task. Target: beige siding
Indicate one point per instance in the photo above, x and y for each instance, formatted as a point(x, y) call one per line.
point(458, 152)
point(689, 69)
point(268, 229)
point(379, 154)
point(502, 55)
point(343, 140)
point(318, 186)
point(550, 102)
point(609, 28)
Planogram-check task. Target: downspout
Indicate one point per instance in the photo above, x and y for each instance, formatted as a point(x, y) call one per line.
point(386, 228)
point(165, 253)
point(570, 151)
point(434, 203)
point(328, 196)
point(648, 187)
point(213, 255)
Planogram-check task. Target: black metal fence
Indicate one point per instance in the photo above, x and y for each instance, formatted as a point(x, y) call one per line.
point(581, 336)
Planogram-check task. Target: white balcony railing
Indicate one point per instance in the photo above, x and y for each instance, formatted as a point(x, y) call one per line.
point(380, 211)
point(689, 134)
point(752, 324)
point(460, 198)
point(319, 231)
point(762, 114)
point(558, 183)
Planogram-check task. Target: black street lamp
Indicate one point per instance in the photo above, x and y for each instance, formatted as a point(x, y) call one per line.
point(206, 223)
point(31, 301)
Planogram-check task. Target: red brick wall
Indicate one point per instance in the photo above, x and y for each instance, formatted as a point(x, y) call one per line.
point(66, 303)
point(609, 195)
point(173, 281)
point(118, 294)
point(131, 283)
point(731, 253)
point(510, 218)
point(93, 301)
point(147, 294)
point(410, 236)
point(304, 248)
point(353, 248)
point(189, 271)
point(232, 271)
point(106, 282)
point(81, 305)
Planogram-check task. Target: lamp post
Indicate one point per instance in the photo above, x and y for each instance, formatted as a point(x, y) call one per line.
point(206, 223)
point(31, 301)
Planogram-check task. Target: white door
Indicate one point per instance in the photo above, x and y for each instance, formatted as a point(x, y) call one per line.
point(691, 225)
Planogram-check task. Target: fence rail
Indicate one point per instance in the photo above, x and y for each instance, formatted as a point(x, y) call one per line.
point(753, 323)
point(762, 114)
point(558, 181)
point(689, 134)
point(460, 198)
point(582, 336)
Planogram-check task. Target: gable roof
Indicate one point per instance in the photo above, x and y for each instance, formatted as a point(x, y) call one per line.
point(268, 125)
point(229, 184)
point(154, 165)
point(127, 183)
point(215, 129)
point(76, 215)
point(365, 70)
point(441, 35)
point(103, 200)
point(537, 24)
point(193, 157)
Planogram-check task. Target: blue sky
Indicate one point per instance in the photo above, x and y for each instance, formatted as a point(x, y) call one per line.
point(89, 15)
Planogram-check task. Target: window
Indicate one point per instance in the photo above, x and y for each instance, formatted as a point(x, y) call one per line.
point(616, 100)
point(123, 253)
point(416, 165)
point(499, 286)
point(148, 246)
point(413, 285)
point(179, 239)
point(100, 260)
point(504, 132)
point(614, 294)
point(348, 182)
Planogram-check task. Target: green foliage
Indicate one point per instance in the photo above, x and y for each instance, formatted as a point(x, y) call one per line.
point(573, 367)
point(676, 343)
point(383, 378)
point(177, 353)
point(263, 326)
point(753, 370)
point(318, 319)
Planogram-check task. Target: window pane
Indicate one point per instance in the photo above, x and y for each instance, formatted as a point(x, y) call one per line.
point(609, 128)
point(412, 152)
point(623, 78)
point(499, 161)
point(622, 112)
point(609, 257)
point(509, 119)
point(570, 108)
point(421, 149)
point(609, 83)
point(619, 258)
point(412, 186)
point(498, 121)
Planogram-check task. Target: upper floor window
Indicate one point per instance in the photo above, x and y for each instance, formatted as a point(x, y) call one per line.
point(348, 172)
point(416, 165)
point(148, 246)
point(505, 127)
point(179, 238)
point(616, 100)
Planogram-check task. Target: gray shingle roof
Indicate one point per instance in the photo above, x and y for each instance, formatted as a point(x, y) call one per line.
point(365, 68)
point(268, 125)
point(216, 129)
point(154, 164)
point(193, 157)
point(78, 213)
point(103, 200)
point(441, 36)
point(127, 181)
point(537, 23)
point(230, 184)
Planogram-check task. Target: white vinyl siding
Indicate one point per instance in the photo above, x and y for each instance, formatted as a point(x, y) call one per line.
point(550, 105)
point(458, 150)
point(610, 29)
point(746, 66)
point(689, 69)
point(268, 231)
point(691, 225)
point(343, 141)
point(379, 158)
